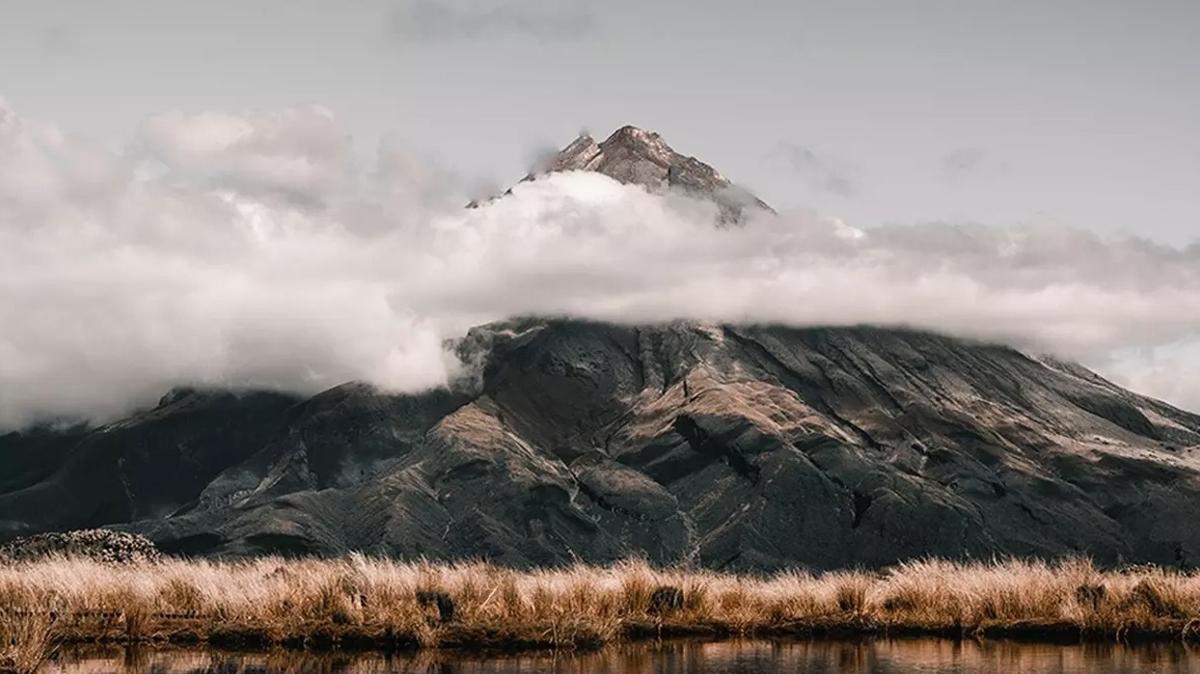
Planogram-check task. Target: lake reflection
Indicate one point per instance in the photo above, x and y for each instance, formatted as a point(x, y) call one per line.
point(900, 656)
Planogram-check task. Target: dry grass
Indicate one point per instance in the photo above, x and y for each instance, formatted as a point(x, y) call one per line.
point(26, 641)
point(360, 601)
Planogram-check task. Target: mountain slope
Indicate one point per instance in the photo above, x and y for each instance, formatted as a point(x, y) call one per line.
point(727, 447)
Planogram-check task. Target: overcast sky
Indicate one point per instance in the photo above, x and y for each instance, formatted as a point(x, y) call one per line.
point(1076, 112)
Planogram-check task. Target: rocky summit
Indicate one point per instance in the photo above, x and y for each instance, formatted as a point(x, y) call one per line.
point(718, 446)
point(635, 156)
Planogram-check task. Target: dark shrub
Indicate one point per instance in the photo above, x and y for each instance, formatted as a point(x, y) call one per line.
point(666, 600)
point(443, 602)
point(1090, 596)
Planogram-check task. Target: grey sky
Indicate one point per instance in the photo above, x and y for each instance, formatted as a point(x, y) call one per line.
point(1084, 113)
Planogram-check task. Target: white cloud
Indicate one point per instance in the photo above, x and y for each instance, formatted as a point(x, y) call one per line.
point(117, 283)
point(298, 153)
point(1169, 371)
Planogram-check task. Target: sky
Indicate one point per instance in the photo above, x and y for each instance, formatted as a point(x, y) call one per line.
point(1077, 112)
point(269, 194)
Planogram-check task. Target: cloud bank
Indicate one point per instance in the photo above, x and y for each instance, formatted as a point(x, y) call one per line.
point(296, 154)
point(246, 251)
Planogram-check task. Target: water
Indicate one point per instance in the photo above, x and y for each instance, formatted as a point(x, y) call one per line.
point(900, 656)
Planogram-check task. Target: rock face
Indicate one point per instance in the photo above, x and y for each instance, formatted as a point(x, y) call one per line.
point(718, 446)
point(637, 157)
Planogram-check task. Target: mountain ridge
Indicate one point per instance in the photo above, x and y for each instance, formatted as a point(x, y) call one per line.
point(714, 446)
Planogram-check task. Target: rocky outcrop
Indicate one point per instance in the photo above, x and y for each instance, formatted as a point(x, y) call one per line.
point(716, 446)
point(100, 545)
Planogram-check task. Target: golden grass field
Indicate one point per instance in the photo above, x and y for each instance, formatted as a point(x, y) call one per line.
point(372, 603)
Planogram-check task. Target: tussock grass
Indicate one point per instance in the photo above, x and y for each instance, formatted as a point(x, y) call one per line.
point(26, 641)
point(360, 601)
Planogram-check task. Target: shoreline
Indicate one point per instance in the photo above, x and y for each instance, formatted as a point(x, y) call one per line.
point(353, 649)
point(360, 603)
point(488, 639)
point(746, 654)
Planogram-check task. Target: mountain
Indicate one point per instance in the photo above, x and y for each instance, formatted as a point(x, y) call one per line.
point(634, 156)
point(723, 446)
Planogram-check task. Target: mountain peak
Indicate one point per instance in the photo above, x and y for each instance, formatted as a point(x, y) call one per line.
point(635, 156)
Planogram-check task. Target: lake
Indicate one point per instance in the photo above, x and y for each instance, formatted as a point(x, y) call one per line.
point(885, 656)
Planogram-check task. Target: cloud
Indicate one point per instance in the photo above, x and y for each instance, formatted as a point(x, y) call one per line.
point(297, 154)
point(121, 276)
point(823, 173)
point(1169, 371)
point(442, 20)
point(966, 162)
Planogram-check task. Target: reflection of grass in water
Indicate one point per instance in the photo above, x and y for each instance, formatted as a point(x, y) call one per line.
point(367, 603)
point(674, 657)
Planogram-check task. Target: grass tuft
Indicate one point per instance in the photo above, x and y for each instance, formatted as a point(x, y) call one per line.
point(26, 641)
